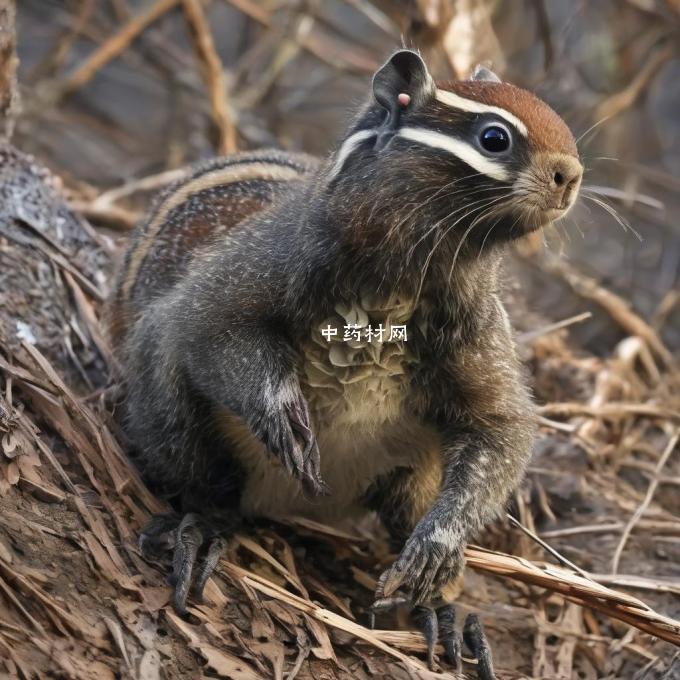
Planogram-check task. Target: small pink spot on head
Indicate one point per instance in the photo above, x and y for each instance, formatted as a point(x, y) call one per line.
point(404, 99)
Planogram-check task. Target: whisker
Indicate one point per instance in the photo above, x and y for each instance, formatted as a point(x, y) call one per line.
point(393, 229)
point(618, 194)
point(486, 236)
point(451, 194)
point(625, 225)
point(468, 207)
point(430, 230)
point(562, 235)
point(475, 222)
point(592, 127)
point(447, 231)
point(578, 228)
point(451, 214)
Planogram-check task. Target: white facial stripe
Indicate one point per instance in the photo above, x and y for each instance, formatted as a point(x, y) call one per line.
point(346, 149)
point(451, 99)
point(458, 148)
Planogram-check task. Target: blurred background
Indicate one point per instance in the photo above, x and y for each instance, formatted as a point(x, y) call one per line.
point(290, 72)
point(119, 95)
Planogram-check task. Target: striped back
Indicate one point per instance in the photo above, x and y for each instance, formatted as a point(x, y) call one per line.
point(186, 217)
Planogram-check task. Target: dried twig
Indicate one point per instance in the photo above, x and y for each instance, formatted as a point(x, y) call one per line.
point(651, 489)
point(613, 410)
point(149, 183)
point(658, 585)
point(326, 616)
point(575, 588)
point(615, 305)
point(116, 44)
point(324, 47)
point(623, 100)
point(551, 328)
point(113, 216)
point(560, 558)
point(556, 425)
point(571, 585)
point(213, 73)
point(608, 527)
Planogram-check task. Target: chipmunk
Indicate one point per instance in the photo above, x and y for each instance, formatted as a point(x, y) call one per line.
point(326, 338)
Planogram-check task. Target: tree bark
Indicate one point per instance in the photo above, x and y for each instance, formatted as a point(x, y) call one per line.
point(9, 92)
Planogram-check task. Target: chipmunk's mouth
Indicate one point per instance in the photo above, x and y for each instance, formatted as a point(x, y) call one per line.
point(553, 214)
point(527, 212)
point(539, 213)
point(532, 219)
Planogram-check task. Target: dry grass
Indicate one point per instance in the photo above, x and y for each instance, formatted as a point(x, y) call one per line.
point(111, 502)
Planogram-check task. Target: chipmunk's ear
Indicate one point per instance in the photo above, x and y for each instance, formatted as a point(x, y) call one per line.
point(483, 73)
point(403, 73)
point(403, 82)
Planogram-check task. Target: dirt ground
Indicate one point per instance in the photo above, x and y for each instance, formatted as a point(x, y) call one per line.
point(289, 600)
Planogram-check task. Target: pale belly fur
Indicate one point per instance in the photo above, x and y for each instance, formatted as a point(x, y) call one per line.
point(357, 394)
point(351, 459)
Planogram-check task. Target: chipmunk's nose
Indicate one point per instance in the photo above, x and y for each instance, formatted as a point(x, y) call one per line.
point(566, 174)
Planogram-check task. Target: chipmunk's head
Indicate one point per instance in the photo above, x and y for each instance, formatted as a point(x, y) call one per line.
point(478, 154)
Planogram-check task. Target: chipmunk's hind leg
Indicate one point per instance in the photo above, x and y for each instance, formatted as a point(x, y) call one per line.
point(196, 541)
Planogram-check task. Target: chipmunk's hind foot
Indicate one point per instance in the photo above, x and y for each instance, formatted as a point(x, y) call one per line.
point(438, 624)
point(197, 543)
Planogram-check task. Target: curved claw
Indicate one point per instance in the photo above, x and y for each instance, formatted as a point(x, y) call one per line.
point(384, 604)
point(192, 534)
point(306, 449)
point(425, 619)
point(425, 564)
point(391, 581)
point(475, 639)
point(449, 636)
point(189, 540)
point(215, 550)
point(437, 624)
point(286, 432)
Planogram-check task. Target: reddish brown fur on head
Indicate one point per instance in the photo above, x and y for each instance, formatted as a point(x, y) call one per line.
point(498, 144)
point(547, 131)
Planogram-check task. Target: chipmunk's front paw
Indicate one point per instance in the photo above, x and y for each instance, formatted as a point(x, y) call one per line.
point(287, 433)
point(431, 558)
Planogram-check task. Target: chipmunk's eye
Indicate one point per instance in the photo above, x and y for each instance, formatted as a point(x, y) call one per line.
point(495, 139)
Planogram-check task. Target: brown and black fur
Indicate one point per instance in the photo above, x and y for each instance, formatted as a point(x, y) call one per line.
point(220, 295)
point(214, 197)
